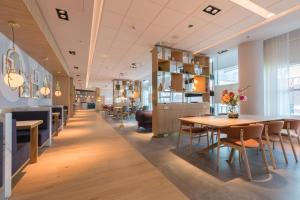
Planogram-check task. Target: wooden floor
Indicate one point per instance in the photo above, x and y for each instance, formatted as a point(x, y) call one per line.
point(90, 161)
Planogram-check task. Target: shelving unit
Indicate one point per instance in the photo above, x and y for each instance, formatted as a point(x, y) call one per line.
point(178, 77)
point(125, 91)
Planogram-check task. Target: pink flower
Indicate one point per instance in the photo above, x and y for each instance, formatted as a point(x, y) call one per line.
point(240, 90)
point(243, 98)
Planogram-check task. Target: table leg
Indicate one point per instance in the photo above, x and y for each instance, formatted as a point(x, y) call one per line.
point(218, 149)
point(34, 144)
point(269, 146)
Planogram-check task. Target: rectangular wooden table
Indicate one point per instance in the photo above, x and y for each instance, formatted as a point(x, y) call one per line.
point(56, 121)
point(219, 122)
point(33, 126)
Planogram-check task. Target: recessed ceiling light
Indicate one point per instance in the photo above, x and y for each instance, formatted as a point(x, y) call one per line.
point(175, 37)
point(212, 10)
point(75, 67)
point(62, 14)
point(72, 52)
point(58, 72)
point(132, 27)
point(77, 75)
point(254, 8)
point(190, 26)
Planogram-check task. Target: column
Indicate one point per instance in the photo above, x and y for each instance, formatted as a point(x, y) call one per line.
point(251, 73)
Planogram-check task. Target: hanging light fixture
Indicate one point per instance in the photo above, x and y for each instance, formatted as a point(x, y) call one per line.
point(45, 90)
point(13, 77)
point(57, 90)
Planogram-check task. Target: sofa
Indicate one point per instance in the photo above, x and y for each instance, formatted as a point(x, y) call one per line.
point(44, 128)
point(20, 151)
point(144, 119)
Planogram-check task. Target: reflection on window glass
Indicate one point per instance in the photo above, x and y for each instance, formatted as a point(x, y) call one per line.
point(228, 75)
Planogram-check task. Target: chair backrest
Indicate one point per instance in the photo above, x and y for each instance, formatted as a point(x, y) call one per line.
point(294, 124)
point(274, 127)
point(252, 131)
point(185, 123)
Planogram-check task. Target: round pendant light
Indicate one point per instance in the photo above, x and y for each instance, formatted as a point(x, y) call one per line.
point(57, 92)
point(45, 90)
point(13, 78)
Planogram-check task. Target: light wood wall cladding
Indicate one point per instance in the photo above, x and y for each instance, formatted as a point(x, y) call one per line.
point(67, 92)
point(168, 114)
point(28, 36)
point(177, 82)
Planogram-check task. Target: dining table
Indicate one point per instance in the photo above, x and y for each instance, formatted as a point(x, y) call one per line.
point(219, 122)
point(33, 126)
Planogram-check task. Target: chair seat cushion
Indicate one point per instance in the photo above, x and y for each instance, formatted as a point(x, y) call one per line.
point(250, 143)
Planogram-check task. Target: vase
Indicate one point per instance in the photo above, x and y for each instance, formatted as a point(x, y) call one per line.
point(232, 112)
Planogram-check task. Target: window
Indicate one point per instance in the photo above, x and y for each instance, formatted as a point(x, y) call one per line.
point(147, 94)
point(294, 89)
point(226, 76)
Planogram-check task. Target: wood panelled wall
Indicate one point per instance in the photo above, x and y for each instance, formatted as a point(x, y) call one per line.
point(67, 90)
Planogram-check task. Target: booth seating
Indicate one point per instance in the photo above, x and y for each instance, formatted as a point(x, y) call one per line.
point(60, 121)
point(20, 152)
point(91, 105)
point(66, 115)
point(44, 128)
point(144, 119)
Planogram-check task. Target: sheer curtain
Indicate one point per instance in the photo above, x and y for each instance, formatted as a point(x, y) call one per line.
point(276, 58)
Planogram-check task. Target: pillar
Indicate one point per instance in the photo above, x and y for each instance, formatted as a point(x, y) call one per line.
point(251, 73)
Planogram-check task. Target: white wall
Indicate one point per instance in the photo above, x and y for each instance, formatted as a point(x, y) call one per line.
point(9, 98)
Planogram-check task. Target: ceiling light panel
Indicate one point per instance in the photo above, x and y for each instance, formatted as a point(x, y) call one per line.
point(62, 14)
point(249, 5)
point(211, 10)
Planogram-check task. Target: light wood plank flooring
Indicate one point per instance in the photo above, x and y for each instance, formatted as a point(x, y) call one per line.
point(90, 161)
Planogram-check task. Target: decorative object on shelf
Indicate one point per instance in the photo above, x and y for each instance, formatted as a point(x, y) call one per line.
point(57, 92)
point(232, 100)
point(13, 77)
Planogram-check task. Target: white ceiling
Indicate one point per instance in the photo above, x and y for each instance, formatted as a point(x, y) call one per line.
point(154, 21)
point(74, 34)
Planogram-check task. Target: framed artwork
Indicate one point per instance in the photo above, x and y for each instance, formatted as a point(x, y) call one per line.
point(24, 90)
point(10, 63)
point(35, 93)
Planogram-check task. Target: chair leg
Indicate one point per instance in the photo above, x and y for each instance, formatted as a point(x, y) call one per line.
point(231, 155)
point(191, 143)
point(264, 155)
point(207, 138)
point(247, 167)
point(282, 147)
point(270, 149)
point(293, 148)
point(199, 139)
point(178, 142)
point(298, 137)
point(218, 149)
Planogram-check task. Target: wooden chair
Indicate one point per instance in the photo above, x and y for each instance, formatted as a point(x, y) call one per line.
point(242, 137)
point(292, 128)
point(193, 131)
point(274, 129)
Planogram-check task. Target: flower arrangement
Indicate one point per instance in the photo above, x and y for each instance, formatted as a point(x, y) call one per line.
point(232, 99)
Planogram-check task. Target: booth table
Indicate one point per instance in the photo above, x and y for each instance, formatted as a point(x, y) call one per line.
point(33, 126)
